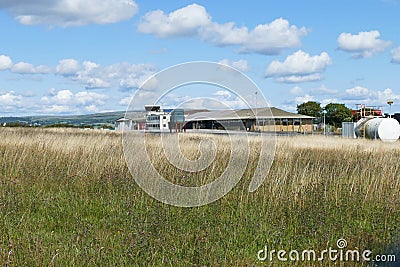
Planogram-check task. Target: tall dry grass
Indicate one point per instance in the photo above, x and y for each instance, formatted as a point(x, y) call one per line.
point(67, 198)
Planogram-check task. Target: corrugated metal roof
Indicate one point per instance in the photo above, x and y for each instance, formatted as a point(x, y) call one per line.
point(261, 113)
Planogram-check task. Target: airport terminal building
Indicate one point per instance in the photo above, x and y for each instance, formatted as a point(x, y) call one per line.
point(260, 119)
point(176, 120)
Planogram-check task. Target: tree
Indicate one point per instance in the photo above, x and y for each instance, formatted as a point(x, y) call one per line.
point(310, 108)
point(337, 113)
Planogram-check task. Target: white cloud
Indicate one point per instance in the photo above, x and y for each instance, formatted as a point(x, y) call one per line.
point(303, 99)
point(22, 67)
point(54, 109)
point(224, 34)
point(70, 12)
point(27, 68)
point(296, 90)
point(125, 101)
point(299, 79)
point(363, 44)
point(360, 94)
point(8, 99)
point(225, 99)
point(358, 91)
point(5, 62)
point(90, 75)
point(93, 75)
point(299, 67)
point(396, 55)
point(68, 67)
point(85, 98)
point(289, 107)
point(134, 75)
point(65, 101)
point(327, 101)
point(268, 39)
point(194, 20)
point(241, 64)
point(181, 22)
point(273, 38)
point(92, 108)
point(68, 98)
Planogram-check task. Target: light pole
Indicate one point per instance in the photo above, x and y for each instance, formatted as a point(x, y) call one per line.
point(390, 102)
point(256, 114)
point(324, 122)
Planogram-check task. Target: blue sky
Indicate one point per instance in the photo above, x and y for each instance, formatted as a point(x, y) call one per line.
point(85, 56)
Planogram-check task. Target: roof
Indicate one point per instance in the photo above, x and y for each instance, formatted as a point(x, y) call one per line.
point(261, 113)
point(122, 119)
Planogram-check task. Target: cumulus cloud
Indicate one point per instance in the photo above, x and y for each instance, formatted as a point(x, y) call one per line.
point(27, 68)
point(395, 55)
point(363, 44)
point(303, 99)
point(70, 12)
point(64, 97)
point(90, 74)
point(93, 76)
point(22, 67)
point(68, 67)
point(268, 39)
point(194, 20)
point(5, 62)
point(299, 67)
point(296, 90)
point(125, 101)
point(56, 109)
point(182, 22)
point(358, 91)
point(65, 101)
point(299, 79)
point(241, 64)
point(9, 99)
point(359, 94)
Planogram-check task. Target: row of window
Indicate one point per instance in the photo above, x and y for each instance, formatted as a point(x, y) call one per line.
point(153, 125)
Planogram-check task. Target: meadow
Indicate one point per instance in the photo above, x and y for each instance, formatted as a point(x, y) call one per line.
point(67, 198)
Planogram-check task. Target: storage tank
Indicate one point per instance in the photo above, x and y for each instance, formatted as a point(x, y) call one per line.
point(387, 129)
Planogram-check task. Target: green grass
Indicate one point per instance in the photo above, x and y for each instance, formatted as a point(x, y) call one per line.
point(68, 199)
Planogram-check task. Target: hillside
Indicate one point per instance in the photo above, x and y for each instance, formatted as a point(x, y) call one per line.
point(97, 119)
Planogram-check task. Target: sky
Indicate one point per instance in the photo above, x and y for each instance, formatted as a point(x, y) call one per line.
point(86, 56)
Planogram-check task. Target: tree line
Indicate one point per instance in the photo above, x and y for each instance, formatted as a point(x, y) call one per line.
point(335, 113)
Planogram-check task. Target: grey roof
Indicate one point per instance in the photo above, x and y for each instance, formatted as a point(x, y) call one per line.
point(122, 119)
point(261, 113)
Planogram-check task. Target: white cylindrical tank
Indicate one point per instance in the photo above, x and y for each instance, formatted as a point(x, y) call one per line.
point(387, 129)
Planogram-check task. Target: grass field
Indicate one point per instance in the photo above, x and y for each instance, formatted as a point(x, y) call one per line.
point(68, 199)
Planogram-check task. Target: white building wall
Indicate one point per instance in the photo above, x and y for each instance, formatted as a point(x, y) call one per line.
point(123, 125)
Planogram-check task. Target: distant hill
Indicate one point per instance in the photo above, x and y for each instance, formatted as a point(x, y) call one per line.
point(98, 119)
